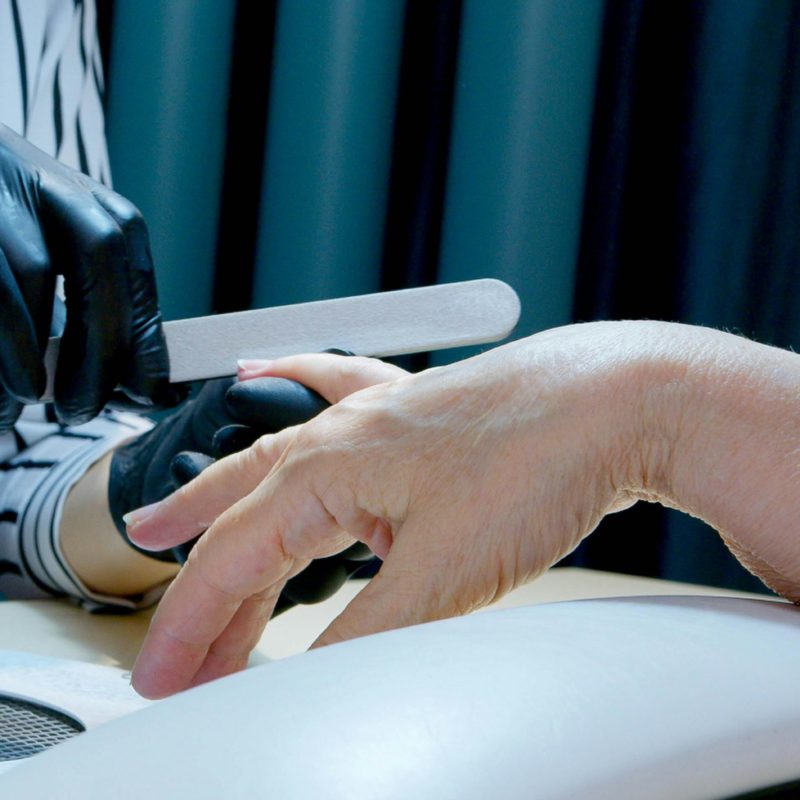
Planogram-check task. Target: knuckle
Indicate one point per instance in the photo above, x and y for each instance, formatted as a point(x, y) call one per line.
point(198, 562)
point(24, 254)
point(129, 218)
point(343, 371)
point(36, 260)
point(125, 210)
point(103, 238)
point(260, 455)
point(362, 371)
point(353, 369)
point(370, 371)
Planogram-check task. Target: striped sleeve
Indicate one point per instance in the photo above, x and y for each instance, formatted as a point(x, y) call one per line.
point(51, 80)
point(34, 484)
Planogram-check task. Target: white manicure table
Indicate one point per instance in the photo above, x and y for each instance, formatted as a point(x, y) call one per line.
point(650, 689)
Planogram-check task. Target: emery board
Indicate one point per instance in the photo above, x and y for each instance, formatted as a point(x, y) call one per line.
point(380, 324)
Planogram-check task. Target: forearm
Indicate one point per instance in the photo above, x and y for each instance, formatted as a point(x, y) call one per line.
point(93, 546)
point(720, 436)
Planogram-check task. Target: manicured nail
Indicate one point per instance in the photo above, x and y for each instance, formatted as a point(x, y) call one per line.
point(139, 515)
point(251, 365)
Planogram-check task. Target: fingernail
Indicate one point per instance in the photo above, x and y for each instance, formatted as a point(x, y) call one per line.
point(139, 515)
point(251, 365)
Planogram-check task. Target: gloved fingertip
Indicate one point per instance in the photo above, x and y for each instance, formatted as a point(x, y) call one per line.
point(284, 604)
point(74, 416)
point(80, 394)
point(317, 582)
point(10, 409)
point(28, 383)
point(272, 404)
point(186, 466)
point(358, 552)
point(233, 439)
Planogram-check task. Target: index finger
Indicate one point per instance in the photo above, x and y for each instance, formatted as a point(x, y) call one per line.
point(250, 551)
point(144, 374)
point(194, 507)
point(203, 601)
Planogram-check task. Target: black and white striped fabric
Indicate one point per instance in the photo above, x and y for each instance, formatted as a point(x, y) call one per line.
point(46, 461)
point(51, 89)
point(51, 80)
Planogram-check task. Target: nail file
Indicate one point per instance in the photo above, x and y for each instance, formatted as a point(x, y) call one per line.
point(381, 324)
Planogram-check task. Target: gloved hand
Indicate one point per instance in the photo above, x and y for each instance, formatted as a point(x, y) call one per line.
point(225, 417)
point(57, 221)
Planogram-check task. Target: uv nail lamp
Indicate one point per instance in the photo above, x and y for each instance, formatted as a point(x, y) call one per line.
point(45, 701)
point(677, 697)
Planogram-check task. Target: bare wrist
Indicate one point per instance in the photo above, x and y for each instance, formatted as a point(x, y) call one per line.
point(718, 436)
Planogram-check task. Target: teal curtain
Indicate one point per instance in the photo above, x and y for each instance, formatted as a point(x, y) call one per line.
point(521, 127)
point(328, 147)
point(167, 99)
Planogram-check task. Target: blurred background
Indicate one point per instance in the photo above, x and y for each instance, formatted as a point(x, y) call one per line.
point(607, 158)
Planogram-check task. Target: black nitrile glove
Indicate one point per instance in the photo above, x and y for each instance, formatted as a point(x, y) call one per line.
point(57, 221)
point(181, 445)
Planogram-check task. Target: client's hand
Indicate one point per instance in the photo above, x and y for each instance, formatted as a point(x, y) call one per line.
point(474, 478)
point(468, 480)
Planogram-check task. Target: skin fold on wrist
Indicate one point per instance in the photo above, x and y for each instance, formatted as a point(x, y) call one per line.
point(720, 438)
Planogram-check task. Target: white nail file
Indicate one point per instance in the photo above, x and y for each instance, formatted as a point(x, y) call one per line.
point(381, 324)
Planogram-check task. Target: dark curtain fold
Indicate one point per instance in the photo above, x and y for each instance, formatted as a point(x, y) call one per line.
point(420, 150)
point(423, 120)
point(248, 102)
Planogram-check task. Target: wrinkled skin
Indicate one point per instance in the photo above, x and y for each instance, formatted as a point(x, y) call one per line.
point(474, 478)
point(57, 221)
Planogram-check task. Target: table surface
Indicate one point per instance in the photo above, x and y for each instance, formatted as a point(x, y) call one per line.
point(56, 628)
